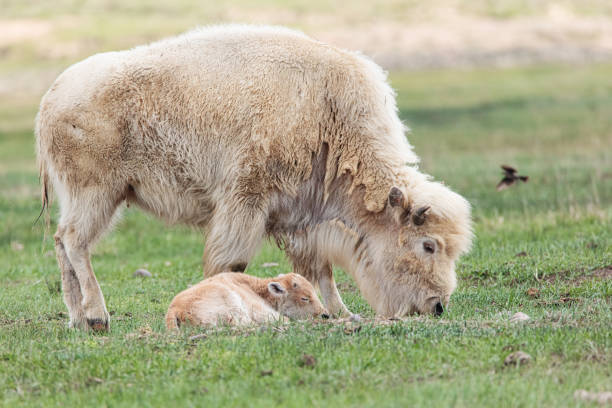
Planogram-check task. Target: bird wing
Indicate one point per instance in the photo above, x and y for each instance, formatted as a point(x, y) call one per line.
point(509, 170)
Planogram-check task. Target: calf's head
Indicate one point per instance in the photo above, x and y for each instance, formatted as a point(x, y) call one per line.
point(295, 297)
point(413, 245)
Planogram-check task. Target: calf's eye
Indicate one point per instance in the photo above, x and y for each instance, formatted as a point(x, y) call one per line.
point(429, 247)
point(305, 299)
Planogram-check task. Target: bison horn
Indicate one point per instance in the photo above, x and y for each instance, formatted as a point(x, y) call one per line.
point(396, 197)
point(419, 216)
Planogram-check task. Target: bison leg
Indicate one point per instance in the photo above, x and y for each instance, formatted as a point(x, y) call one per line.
point(329, 292)
point(70, 286)
point(235, 234)
point(81, 223)
point(322, 275)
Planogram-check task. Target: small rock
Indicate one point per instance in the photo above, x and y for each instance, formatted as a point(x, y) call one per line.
point(355, 318)
point(16, 246)
point(308, 361)
point(604, 397)
point(143, 332)
point(94, 381)
point(519, 317)
point(197, 337)
point(269, 264)
point(517, 358)
point(143, 273)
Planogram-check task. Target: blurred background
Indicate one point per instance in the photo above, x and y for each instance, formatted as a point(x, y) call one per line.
point(510, 78)
point(480, 83)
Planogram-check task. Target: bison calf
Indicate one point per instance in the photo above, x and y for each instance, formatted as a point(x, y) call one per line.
point(239, 299)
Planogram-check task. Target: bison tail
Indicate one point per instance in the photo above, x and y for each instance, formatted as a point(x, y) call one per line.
point(45, 192)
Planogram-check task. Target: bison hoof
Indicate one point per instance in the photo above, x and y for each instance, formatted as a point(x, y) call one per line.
point(98, 325)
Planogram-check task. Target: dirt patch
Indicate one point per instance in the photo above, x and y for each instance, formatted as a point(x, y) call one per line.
point(415, 38)
point(11, 322)
point(603, 273)
point(438, 36)
point(451, 39)
point(596, 274)
point(563, 300)
point(142, 333)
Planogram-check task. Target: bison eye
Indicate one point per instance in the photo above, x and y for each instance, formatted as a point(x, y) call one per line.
point(429, 247)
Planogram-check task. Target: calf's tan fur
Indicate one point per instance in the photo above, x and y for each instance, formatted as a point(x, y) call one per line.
point(238, 299)
point(248, 132)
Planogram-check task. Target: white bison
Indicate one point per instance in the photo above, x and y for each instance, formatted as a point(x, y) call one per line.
point(247, 133)
point(238, 299)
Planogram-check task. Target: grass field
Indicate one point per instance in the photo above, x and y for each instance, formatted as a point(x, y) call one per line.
point(553, 123)
point(543, 248)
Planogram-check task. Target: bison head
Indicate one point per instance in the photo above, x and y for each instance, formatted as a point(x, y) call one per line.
point(296, 297)
point(412, 246)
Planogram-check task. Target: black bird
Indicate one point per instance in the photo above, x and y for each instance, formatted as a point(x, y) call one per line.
point(510, 177)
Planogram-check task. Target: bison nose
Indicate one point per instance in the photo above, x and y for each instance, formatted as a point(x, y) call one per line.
point(325, 316)
point(439, 309)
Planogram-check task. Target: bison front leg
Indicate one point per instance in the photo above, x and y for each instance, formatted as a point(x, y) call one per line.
point(322, 275)
point(329, 292)
point(235, 234)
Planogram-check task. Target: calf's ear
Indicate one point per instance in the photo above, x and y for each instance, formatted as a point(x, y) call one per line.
point(276, 289)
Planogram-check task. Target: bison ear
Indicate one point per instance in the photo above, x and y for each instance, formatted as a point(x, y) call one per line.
point(276, 289)
point(396, 197)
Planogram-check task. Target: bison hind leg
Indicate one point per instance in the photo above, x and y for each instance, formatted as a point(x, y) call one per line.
point(85, 215)
point(70, 286)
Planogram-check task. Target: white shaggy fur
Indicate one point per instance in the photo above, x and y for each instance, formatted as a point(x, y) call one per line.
point(249, 132)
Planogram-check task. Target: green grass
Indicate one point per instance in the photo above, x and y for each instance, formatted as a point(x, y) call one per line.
point(553, 123)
